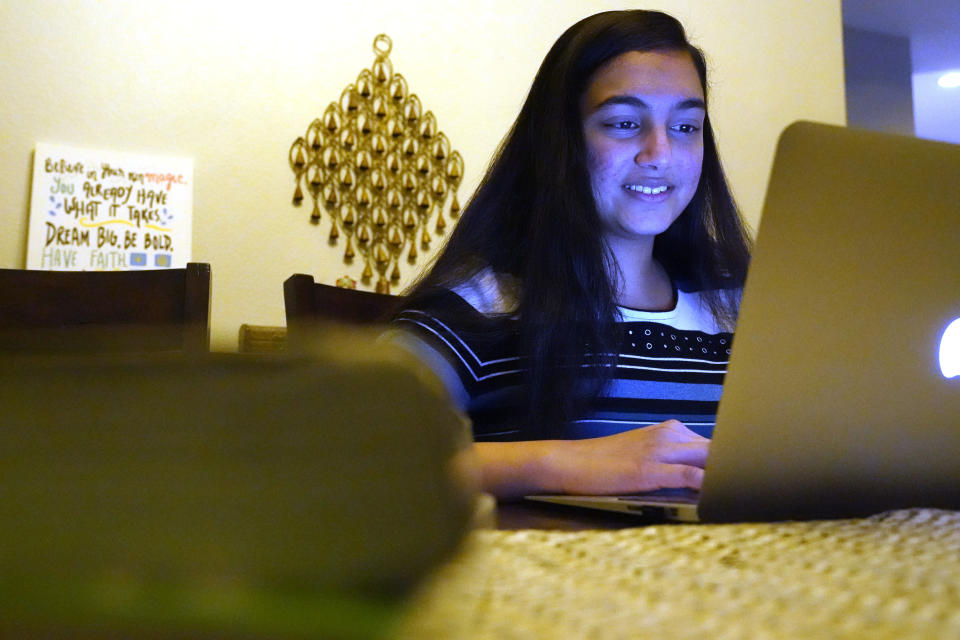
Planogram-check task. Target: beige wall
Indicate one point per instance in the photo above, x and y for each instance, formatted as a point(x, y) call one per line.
point(231, 84)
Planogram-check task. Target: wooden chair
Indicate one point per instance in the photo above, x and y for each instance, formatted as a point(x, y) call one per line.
point(308, 303)
point(105, 311)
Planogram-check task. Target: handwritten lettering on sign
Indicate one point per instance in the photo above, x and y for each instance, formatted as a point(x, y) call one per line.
point(104, 211)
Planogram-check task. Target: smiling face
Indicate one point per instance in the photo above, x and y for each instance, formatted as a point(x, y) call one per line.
point(643, 115)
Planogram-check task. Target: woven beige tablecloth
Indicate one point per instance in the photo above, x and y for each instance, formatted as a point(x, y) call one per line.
point(894, 575)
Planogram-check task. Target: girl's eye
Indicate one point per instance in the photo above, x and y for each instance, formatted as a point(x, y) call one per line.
point(686, 128)
point(624, 124)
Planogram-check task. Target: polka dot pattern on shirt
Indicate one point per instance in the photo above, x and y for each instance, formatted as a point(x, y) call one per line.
point(643, 338)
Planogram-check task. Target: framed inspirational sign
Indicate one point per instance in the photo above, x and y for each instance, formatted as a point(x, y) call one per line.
point(107, 211)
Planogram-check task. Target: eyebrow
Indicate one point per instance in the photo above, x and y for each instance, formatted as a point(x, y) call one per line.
point(633, 101)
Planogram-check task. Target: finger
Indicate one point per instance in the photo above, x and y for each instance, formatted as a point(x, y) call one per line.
point(688, 453)
point(679, 476)
point(678, 428)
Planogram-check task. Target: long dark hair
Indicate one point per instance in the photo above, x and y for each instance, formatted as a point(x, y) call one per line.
point(533, 217)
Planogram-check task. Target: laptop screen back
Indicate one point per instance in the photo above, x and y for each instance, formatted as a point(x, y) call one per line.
point(834, 402)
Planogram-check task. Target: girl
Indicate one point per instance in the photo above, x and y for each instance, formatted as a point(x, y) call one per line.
point(581, 312)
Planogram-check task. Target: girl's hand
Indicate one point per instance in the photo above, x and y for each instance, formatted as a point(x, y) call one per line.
point(665, 455)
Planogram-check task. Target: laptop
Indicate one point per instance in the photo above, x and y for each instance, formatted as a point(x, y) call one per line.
point(842, 395)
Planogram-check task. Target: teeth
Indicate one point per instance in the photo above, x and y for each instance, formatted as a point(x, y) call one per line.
point(647, 191)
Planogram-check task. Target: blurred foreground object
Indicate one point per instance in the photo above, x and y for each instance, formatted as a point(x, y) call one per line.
point(226, 495)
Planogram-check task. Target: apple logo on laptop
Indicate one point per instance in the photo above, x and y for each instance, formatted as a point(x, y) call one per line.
point(950, 350)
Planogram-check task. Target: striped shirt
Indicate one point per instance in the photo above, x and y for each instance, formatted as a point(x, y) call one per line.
point(669, 364)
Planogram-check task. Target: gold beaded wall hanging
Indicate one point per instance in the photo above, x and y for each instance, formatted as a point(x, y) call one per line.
point(381, 168)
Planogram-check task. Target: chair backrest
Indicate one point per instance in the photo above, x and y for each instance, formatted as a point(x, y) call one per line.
point(308, 303)
point(105, 311)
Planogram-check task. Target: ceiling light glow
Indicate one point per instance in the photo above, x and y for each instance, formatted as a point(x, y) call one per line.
point(949, 80)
